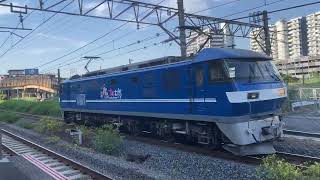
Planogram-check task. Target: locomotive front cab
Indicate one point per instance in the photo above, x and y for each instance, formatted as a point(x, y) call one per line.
point(252, 116)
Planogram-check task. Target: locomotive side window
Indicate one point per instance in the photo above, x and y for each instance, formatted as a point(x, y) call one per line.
point(171, 80)
point(199, 76)
point(217, 72)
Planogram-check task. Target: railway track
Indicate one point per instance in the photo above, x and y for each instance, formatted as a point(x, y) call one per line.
point(301, 133)
point(56, 165)
point(295, 159)
point(292, 158)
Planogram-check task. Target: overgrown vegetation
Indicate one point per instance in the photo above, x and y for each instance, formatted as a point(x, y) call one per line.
point(49, 126)
point(313, 81)
point(2, 96)
point(106, 139)
point(46, 108)
point(9, 117)
point(25, 125)
point(53, 139)
point(274, 168)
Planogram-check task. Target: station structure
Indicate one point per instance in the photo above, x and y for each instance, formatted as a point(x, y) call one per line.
point(21, 83)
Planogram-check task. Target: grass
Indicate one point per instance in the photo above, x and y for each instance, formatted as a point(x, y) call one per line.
point(9, 117)
point(46, 108)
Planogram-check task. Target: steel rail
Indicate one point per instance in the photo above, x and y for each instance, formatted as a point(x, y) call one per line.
point(86, 170)
point(301, 133)
point(298, 159)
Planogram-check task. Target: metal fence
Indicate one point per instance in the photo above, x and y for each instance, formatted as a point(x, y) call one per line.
point(304, 97)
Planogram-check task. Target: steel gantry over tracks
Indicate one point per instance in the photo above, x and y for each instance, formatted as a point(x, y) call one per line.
point(146, 14)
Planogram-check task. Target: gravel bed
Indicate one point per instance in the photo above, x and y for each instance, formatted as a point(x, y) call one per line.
point(299, 146)
point(161, 162)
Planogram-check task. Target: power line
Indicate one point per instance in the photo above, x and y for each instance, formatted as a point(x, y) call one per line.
point(213, 7)
point(91, 42)
point(33, 30)
point(61, 21)
point(106, 52)
point(284, 9)
point(294, 7)
point(18, 26)
point(250, 9)
point(95, 40)
point(121, 54)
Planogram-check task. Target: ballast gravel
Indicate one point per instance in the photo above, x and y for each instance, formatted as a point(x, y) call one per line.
point(161, 162)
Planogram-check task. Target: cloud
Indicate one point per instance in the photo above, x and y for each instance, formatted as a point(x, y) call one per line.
point(73, 42)
point(191, 5)
point(40, 51)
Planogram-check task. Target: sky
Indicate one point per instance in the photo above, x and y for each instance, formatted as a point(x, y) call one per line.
point(62, 34)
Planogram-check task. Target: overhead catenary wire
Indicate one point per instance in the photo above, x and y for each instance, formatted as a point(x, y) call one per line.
point(250, 9)
point(114, 49)
point(87, 44)
point(29, 14)
point(106, 52)
point(120, 54)
point(219, 5)
point(47, 20)
point(51, 28)
point(284, 9)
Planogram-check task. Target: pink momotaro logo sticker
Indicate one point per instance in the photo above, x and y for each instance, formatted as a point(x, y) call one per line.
point(109, 93)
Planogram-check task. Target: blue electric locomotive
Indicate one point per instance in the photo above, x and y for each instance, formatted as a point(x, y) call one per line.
point(228, 97)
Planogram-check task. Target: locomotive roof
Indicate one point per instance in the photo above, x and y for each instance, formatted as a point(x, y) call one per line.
point(227, 53)
point(205, 55)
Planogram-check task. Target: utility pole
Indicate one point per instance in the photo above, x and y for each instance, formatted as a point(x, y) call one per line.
point(266, 31)
point(183, 38)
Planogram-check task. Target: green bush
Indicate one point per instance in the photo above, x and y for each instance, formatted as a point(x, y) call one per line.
point(274, 168)
point(106, 139)
point(49, 126)
point(313, 171)
point(9, 117)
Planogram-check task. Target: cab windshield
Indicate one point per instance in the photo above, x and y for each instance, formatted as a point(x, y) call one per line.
point(252, 71)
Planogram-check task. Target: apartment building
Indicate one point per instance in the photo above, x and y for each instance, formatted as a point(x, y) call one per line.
point(313, 26)
point(216, 41)
point(295, 45)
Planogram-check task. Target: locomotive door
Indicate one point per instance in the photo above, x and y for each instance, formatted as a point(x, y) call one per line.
point(199, 90)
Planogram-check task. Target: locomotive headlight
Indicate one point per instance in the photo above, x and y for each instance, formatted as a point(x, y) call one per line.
point(282, 92)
